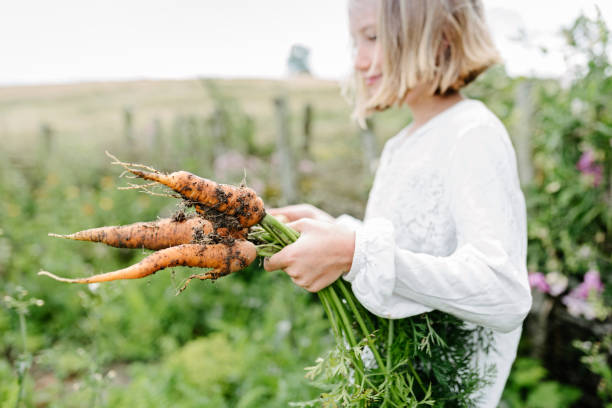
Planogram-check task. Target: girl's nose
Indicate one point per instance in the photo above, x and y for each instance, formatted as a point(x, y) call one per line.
point(362, 59)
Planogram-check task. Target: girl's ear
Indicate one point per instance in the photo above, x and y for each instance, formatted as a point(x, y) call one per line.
point(445, 42)
point(444, 52)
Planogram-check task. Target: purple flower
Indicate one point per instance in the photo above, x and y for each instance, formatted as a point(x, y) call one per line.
point(597, 173)
point(592, 281)
point(577, 307)
point(538, 280)
point(586, 161)
point(586, 165)
point(580, 301)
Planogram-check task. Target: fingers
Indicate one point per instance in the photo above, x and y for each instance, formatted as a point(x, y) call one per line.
point(302, 225)
point(298, 279)
point(300, 211)
point(290, 213)
point(278, 214)
point(285, 260)
point(310, 286)
point(280, 260)
point(293, 212)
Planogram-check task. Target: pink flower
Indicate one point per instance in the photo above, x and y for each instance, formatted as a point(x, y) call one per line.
point(591, 282)
point(582, 299)
point(538, 280)
point(586, 161)
point(591, 278)
point(577, 307)
point(586, 165)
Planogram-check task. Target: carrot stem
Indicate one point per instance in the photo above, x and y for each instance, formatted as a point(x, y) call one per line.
point(360, 322)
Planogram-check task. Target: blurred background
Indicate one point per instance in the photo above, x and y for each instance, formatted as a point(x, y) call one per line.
point(225, 89)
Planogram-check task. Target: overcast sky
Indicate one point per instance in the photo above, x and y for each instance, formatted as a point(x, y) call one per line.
point(80, 40)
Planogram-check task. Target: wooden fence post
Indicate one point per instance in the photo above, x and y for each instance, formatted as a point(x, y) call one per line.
point(283, 147)
point(219, 131)
point(307, 130)
point(158, 135)
point(46, 137)
point(218, 135)
point(128, 125)
point(156, 140)
point(192, 131)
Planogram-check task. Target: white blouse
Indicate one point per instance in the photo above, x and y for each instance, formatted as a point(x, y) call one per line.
point(445, 229)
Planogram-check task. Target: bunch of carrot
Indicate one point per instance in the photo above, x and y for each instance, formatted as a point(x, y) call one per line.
point(215, 237)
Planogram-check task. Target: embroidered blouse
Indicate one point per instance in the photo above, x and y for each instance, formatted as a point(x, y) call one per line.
point(445, 229)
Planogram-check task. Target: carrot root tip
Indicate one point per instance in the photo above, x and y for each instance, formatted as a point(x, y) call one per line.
point(201, 276)
point(57, 278)
point(131, 167)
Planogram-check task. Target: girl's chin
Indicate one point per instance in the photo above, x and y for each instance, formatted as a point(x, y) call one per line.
point(371, 89)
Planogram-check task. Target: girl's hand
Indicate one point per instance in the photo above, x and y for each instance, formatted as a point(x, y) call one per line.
point(323, 252)
point(299, 211)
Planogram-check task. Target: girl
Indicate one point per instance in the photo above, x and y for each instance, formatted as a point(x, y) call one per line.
point(445, 223)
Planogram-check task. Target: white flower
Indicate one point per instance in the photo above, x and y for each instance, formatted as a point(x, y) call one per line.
point(578, 106)
point(584, 251)
point(369, 362)
point(351, 377)
point(557, 283)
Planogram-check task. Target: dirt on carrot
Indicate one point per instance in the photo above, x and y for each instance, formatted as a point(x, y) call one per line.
point(239, 202)
point(154, 235)
point(214, 237)
point(223, 259)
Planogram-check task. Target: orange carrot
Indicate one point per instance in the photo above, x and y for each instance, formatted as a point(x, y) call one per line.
point(222, 258)
point(160, 234)
point(240, 202)
point(236, 234)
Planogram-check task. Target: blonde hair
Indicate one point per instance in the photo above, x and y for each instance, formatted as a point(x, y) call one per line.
point(441, 44)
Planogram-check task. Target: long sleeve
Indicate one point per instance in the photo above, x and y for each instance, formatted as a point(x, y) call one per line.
point(484, 280)
point(349, 222)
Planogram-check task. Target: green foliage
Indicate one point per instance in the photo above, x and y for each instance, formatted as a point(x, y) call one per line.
point(427, 362)
point(528, 387)
point(570, 210)
point(597, 359)
point(570, 199)
point(9, 387)
point(217, 367)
